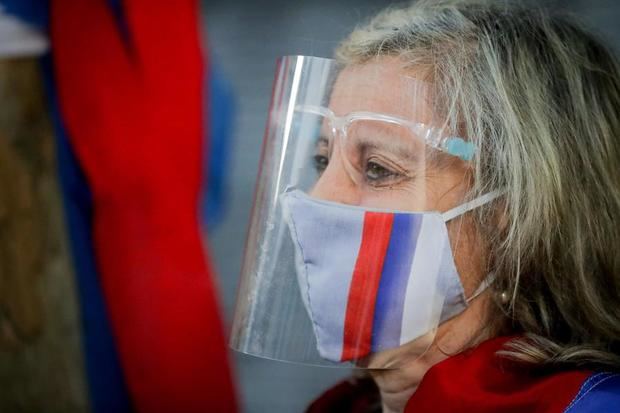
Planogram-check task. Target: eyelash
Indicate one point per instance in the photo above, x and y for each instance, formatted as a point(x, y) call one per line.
point(320, 163)
point(388, 176)
point(382, 173)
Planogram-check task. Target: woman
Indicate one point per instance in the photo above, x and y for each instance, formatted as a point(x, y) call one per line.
point(496, 130)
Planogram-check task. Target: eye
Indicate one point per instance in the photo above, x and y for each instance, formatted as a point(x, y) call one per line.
point(376, 173)
point(320, 163)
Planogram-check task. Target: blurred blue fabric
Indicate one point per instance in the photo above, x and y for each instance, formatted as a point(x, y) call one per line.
point(107, 389)
point(34, 12)
point(219, 109)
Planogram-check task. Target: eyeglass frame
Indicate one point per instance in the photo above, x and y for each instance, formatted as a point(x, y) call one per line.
point(452, 145)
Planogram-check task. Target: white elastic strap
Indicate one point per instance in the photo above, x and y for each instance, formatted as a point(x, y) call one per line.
point(482, 287)
point(473, 204)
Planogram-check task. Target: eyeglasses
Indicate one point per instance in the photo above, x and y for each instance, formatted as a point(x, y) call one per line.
point(431, 136)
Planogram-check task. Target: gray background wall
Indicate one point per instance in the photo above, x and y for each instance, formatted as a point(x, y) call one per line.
point(244, 39)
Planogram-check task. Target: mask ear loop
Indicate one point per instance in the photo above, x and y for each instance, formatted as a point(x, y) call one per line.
point(486, 283)
point(460, 210)
point(471, 205)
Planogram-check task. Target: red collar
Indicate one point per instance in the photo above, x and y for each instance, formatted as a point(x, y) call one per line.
point(480, 381)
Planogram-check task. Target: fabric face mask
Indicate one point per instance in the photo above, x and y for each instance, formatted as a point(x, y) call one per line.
point(372, 280)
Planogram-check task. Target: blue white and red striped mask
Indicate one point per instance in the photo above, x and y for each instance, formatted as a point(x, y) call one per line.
point(373, 280)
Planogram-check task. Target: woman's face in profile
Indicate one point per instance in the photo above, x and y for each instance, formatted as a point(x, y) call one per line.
point(386, 165)
point(381, 164)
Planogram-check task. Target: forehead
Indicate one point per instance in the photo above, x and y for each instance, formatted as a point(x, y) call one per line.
point(381, 86)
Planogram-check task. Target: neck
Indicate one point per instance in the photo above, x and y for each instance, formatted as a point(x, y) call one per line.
point(398, 385)
point(395, 402)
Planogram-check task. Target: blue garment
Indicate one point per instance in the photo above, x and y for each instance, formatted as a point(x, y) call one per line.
point(599, 393)
point(220, 106)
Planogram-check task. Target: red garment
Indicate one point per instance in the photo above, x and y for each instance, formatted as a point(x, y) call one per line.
point(132, 102)
point(479, 381)
point(476, 381)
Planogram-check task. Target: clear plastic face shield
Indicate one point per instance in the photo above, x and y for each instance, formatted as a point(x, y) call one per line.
point(348, 260)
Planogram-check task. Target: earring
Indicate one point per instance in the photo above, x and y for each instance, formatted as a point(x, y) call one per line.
point(504, 297)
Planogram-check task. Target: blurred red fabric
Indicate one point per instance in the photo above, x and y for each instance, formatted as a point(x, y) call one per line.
point(132, 103)
point(478, 380)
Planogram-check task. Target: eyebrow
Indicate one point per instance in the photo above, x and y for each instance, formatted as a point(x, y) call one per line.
point(322, 140)
point(364, 144)
point(383, 136)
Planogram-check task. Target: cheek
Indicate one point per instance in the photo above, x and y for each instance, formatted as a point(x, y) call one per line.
point(462, 331)
point(409, 197)
point(410, 194)
point(470, 253)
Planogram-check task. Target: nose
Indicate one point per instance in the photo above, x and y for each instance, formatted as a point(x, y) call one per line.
point(337, 183)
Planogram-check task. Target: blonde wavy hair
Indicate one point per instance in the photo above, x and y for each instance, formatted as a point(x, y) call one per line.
point(540, 96)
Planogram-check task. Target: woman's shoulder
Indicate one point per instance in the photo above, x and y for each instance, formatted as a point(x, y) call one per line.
point(599, 393)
